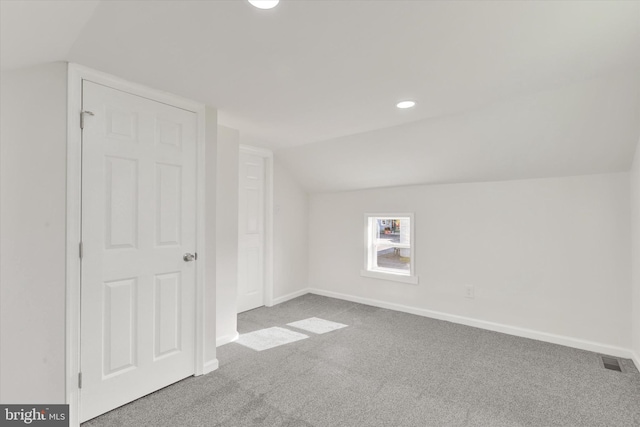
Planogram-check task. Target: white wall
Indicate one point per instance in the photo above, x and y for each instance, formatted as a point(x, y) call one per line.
point(290, 235)
point(635, 224)
point(548, 255)
point(227, 234)
point(211, 156)
point(32, 228)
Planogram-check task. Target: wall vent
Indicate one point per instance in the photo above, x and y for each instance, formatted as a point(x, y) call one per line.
point(611, 363)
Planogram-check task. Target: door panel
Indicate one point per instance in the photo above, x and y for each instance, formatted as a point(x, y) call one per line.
point(119, 342)
point(138, 219)
point(168, 212)
point(251, 232)
point(168, 314)
point(121, 198)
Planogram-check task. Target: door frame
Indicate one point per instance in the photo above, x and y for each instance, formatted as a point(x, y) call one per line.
point(75, 76)
point(267, 155)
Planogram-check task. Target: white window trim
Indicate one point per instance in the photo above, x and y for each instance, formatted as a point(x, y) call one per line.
point(382, 273)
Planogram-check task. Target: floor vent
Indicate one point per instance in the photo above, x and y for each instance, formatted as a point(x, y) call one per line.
point(611, 363)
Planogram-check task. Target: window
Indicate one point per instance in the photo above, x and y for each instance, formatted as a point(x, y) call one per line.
point(389, 247)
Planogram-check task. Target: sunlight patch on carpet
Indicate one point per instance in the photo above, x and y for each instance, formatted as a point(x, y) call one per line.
point(316, 325)
point(265, 339)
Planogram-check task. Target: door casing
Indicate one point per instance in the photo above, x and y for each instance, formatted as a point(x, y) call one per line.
point(76, 74)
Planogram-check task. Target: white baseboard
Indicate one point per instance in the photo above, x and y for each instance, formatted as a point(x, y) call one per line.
point(290, 296)
point(636, 359)
point(227, 339)
point(210, 366)
point(483, 324)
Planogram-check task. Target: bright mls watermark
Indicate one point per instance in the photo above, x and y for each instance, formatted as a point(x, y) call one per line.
point(34, 415)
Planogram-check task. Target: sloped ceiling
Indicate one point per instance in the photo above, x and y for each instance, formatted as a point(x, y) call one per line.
point(524, 89)
point(34, 32)
point(585, 128)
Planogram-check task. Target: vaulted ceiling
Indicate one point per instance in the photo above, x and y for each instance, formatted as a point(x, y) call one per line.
point(505, 90)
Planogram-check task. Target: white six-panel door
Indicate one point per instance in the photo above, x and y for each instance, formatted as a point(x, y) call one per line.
point(138, 220)
point(251, 208)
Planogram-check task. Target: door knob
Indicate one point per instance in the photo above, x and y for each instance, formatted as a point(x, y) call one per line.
point(190, 257)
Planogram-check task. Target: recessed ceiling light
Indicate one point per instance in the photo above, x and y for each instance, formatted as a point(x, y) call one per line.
point(405, 104)
point(264, 4)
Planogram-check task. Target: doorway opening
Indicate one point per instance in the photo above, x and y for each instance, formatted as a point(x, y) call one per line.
point(255, 228)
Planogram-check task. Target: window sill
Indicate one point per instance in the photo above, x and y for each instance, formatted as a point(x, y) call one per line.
point(413, 280)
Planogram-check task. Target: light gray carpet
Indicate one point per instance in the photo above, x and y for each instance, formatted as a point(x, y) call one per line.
point(391, 369)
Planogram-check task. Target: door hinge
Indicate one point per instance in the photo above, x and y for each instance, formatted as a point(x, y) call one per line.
point(79, 379)
point(81, 250)
point(195, 256)
point(82, 117)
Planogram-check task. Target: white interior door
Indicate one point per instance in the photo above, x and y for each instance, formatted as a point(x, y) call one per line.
point(138, 219)
point(251, 232)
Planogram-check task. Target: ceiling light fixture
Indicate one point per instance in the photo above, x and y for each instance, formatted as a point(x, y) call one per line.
point(264, 4)
point(405, 104)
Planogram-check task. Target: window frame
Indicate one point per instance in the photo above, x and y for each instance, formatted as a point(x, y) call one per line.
point(370, 236)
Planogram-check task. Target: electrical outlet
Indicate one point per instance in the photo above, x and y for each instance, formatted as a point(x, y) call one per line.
point(469, 291)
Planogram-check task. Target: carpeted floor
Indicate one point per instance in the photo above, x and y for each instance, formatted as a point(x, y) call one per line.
point(391, 369)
